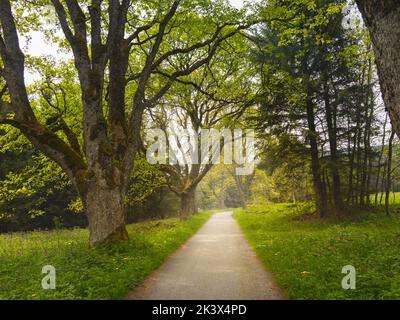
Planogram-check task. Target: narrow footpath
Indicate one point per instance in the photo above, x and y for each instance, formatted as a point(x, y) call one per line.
point(216, 263)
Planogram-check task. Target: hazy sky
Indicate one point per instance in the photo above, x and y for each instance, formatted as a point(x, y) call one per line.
point(237, 3)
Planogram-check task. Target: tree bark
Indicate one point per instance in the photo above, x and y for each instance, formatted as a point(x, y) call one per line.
point(380, 160)
point(383, 183)
point(332, 137)
point(357, 198)
point(383, 21)
point(368, 116)
point(389, 173)
point(319, 188)
point(352, 152)
point(188, 204)
point(105, 210)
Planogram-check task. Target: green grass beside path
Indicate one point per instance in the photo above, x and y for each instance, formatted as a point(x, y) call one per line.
point(307, 254)
point(83, 273)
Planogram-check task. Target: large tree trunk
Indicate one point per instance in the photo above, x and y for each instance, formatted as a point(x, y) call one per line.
point(102, 188)
point(383, 21)
point(104, 183)
point(188, 204)
point(106, 214)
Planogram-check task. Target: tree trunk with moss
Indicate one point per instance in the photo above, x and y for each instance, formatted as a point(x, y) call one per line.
point(103, 196)
point(188, 204)
point(105, 212)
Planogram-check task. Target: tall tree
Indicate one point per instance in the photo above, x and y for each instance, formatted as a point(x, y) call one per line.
point(114, 44)
point(389, 173)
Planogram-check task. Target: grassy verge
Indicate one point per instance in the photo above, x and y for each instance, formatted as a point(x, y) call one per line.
point(307, 254)
point(82, 273)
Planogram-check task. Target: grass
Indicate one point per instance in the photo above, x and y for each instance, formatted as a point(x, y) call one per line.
point(307, 254)
point(83, 273)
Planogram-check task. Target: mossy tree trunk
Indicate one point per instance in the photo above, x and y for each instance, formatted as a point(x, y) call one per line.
point(188, 204)
point(106, 215)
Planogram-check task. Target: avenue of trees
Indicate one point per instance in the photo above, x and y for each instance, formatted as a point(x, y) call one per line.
point(123, 52)
point(72, 141)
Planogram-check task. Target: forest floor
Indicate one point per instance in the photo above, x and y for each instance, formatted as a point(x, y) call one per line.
point(307, 254)
point(83, 273)
point(217, 263)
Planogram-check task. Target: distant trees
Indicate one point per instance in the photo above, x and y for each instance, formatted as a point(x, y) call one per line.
point(204, 101)
point(243, 184)
point(215, 188)
point(320, 90)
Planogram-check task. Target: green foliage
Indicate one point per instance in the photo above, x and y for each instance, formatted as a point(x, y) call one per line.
point(307, 254)
point(33, 189)
point(214, 188)
point(83, 273)
point(146, 180)
point(316, 82)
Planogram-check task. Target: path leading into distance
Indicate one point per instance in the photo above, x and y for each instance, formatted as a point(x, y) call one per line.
point(216, 263)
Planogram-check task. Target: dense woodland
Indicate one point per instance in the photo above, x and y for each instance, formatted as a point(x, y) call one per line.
point(304, 74)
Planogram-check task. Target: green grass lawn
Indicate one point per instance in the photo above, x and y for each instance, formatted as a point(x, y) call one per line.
point(307, 254)
point(83, 273)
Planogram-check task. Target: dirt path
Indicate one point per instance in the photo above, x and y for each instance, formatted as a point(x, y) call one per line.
point(216, 263)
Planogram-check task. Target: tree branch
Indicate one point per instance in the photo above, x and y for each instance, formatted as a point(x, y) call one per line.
point(146, 72)
point(62, 18)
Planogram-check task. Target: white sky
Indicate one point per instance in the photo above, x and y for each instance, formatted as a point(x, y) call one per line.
point(236, 3)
